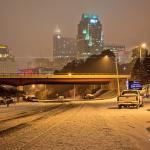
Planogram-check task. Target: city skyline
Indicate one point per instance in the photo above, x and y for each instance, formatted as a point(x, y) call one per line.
point(28, 26)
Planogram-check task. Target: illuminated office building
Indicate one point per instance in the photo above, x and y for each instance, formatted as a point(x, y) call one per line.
point(7, 61)
point(64, 48)
point(4, 52)
point(89, 36)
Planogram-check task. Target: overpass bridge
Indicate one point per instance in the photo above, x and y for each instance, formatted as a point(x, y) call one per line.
point(27, 79)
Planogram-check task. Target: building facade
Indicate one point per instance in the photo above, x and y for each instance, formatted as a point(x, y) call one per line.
point(89, 36)
point(64, 48)
point(7, 61)
point(4, 52)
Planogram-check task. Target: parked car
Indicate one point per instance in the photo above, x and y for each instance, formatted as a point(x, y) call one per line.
point(32, 99)
point(130, 98)
point(2, 101)
point(89, 96)
point(6, 100)
point(61, 97)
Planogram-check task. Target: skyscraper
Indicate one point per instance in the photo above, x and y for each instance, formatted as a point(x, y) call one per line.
point(4, 52)
point(90, 36)
point(64, 48)
point(7, 61)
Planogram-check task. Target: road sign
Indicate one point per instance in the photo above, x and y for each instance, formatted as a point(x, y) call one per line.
point(135, 85)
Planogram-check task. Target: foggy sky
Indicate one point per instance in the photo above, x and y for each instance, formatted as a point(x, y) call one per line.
point(27, 26)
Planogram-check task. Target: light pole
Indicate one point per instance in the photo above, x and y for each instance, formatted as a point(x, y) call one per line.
point(142, 46)
point(74, 92)
point(106, 59)
point(117, 73)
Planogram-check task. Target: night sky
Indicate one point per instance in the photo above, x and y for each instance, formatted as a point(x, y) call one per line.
point(27, 26)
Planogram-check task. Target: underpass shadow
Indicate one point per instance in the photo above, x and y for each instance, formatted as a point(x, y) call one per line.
point(115, 107)
point(148, 129)
point(94, 105)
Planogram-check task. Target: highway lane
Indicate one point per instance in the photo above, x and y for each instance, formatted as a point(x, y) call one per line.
point(96, 125)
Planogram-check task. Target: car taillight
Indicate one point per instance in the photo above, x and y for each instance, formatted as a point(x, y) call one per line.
point(117, 98)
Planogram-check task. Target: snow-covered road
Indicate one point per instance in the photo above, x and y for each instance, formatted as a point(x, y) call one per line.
point(75, 125)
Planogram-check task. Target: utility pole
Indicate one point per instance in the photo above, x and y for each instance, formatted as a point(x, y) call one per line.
point(74, 91)
point(118, 84)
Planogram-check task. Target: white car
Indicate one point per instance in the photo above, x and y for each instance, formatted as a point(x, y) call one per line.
point(89, 96)
point(130, 98)
point(2, 101)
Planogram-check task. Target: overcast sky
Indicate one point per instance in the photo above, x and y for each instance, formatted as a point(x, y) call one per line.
point(27, 26)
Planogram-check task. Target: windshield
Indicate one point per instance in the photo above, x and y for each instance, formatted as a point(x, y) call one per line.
point(129, 93)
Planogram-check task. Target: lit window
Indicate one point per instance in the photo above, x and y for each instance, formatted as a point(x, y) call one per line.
point(84, 31)
point(93, 21)
point(58, 37)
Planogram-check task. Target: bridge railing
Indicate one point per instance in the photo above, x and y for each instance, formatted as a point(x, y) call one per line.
point(13, 75)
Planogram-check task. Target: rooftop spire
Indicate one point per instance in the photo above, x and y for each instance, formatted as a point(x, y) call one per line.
point(57, 30)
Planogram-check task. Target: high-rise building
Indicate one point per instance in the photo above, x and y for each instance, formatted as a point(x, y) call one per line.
point(64, 48)
point(7, 61)
point(4, 52)
point(90, 36)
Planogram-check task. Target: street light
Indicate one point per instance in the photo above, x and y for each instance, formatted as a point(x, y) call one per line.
point(142, 46)
point(117, 73)
point(69, 74)
point(33, 86)
point(106, 58)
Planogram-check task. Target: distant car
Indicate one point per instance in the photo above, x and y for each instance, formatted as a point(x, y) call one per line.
point(2, 101)
point(130, 98)
point(60, 97)
point(89, 96)
point(9, 99)
point(32, 99)
point(6, 100)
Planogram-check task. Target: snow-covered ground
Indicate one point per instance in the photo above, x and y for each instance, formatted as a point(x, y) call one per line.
point(74, 125)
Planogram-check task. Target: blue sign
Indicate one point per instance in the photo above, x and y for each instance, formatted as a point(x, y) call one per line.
point(135, 85)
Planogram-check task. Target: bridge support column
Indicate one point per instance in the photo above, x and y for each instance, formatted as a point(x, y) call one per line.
point(74, 91)
point(123, 84)
point(113, 85)
point(20, 88)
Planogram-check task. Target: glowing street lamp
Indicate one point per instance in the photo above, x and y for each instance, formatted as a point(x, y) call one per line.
point(33, 86)
point(142, 46)
point(117, 73)
point(106, 57)
point(69, 74)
